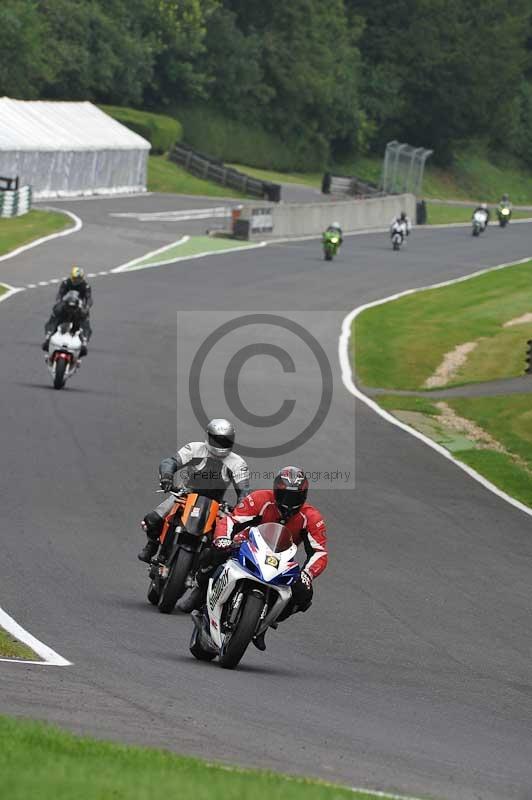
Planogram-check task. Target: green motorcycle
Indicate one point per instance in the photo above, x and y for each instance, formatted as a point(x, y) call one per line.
point(331, 245)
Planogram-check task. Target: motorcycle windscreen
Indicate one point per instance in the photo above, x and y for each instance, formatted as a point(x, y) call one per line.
point(199, 514)
point(277, 537)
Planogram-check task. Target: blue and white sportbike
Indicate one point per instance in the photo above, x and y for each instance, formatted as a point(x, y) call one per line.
point(246, 595)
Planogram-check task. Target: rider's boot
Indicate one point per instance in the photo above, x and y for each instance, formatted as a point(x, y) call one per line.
point(192, 599)
point(148, 551)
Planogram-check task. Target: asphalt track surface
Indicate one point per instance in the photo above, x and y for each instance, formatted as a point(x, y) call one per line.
point(411, 672)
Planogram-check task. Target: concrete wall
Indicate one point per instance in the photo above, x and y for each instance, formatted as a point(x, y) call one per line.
point(306, 219)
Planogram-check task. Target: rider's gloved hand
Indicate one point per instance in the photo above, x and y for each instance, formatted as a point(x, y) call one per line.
point(166, 482)
point(238, 538)
point(222, 543)
point(302, 591)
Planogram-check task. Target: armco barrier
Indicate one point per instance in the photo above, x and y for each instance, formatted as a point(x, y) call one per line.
point(307, 219)
point(15, 202)
point(203, 166)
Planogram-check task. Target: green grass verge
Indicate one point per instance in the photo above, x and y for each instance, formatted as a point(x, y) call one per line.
point(3, 289)
point(12, 648)
point(38, 760)
point(441, 214)
point(196, 245)
point(398, 345)
point(398, 402)
point(17, 231)
point(160, 130)
point(165, 176)
point(306, 178)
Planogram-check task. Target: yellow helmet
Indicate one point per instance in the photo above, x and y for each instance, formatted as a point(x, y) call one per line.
point(76, 274)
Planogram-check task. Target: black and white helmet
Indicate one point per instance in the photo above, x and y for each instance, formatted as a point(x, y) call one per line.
point(220, 437)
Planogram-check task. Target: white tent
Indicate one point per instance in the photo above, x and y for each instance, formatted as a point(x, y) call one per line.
point(65, 149)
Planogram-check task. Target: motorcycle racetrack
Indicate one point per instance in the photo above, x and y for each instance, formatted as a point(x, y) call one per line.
point(410, 673)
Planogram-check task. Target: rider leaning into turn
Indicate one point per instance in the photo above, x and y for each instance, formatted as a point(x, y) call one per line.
point(286, 504)
point(211, 467)
point(76, 282)
point(483, 208)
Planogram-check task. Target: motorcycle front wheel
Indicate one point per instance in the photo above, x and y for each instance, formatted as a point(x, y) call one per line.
point(175, 584)
point(59, 375)
point(239, 640)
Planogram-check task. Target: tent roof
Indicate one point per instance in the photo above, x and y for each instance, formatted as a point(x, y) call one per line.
point(43, 125)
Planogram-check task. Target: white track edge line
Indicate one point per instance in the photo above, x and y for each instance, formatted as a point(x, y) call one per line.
point(177, 243)
point(78, 224)
point(347, 378)
point(49, 656)
point(374, 793)
point(11, 290)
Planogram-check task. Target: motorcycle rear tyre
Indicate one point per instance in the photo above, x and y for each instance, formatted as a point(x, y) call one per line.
point(59, 375)
point(175, 584)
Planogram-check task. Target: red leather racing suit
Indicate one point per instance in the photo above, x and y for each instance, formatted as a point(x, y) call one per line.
point(307, 526)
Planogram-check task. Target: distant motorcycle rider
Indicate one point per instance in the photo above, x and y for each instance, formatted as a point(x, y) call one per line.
point(74, 282)
point(335, 227)
point(285, 504)
point(211, 467)
point(402, 224)
point(484, 210)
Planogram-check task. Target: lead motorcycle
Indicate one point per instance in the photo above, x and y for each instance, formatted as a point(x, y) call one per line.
point(187, 528)
point(64, 350)
point(331, 244)
point(479, 222)
point(246, 595)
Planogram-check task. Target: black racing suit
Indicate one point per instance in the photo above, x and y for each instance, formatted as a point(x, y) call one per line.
point(85, 293)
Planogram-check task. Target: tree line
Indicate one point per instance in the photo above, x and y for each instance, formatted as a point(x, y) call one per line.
point(341, 76)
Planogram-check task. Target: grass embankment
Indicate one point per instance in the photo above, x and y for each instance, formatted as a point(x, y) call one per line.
point(400, 344)
point(474, 176)
point(17, 231)
point(41, 761)
point(12, 648)
point(442, 213)
point(165, 176)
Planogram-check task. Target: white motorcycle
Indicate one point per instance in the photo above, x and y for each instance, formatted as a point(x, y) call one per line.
point(62, 359)
point(246, 595)
point(398, 235)
point(480, 221)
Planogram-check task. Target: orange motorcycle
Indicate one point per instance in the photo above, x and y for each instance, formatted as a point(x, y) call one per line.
point(187, 529)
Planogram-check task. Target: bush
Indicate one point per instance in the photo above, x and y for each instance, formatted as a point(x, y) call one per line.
point(161, 131)
point(232, 140)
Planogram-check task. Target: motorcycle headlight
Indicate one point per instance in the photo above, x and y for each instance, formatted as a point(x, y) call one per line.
point(505, 211)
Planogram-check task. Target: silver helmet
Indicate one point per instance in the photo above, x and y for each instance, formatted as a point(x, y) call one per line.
point(220, 437)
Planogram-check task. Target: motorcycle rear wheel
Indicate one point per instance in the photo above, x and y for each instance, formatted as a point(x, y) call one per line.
point(59, 375)
point(239, 641)
point(175, 584)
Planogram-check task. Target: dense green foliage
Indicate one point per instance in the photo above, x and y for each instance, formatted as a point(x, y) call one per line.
point(327, 80)
point(160, 130)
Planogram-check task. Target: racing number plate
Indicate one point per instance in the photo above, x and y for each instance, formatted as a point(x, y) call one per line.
point(272, 561)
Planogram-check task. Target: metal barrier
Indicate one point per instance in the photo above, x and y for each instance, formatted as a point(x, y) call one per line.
point(211, 169)
point(8, 184)
point(344, 186)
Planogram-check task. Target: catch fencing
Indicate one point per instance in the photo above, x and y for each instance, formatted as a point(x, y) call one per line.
point(403, 168)
point(14, 200)
point(211, 169)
